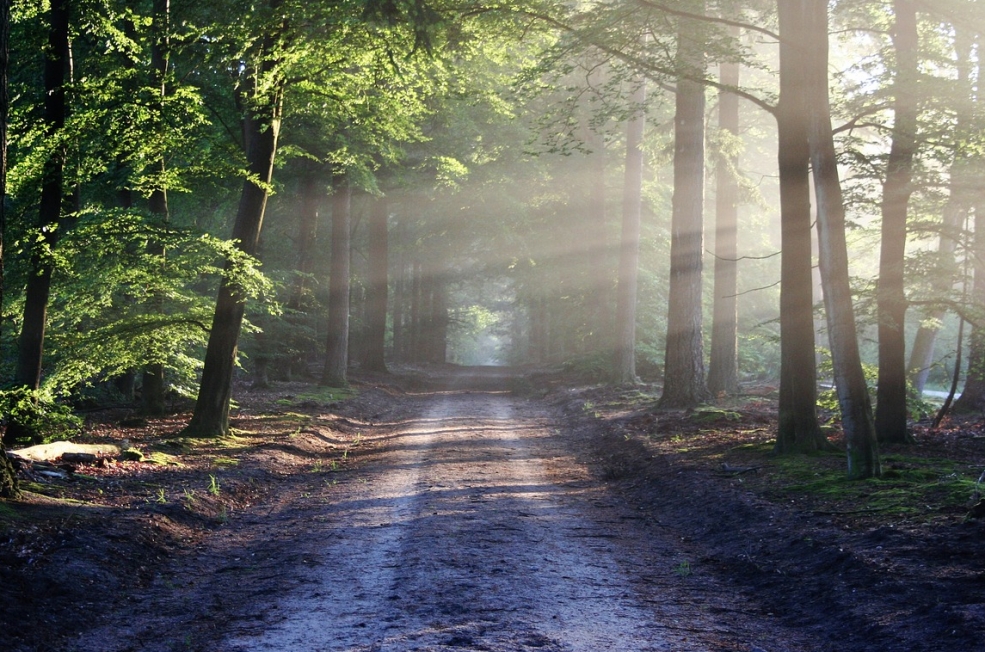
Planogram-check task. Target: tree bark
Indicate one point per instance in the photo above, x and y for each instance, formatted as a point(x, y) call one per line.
point(853, 395)
point(30, 344)
point(629, 242)
point(8, 478)
point(307, 234)
point(797, 429)
point(400, 299)
point(972, 397)
point(891, 299)
point(416, 313)
point(963, 179)
point(154, 382)
point(335, 373)
point(378, 286)
point(723, 365)
point(438, 317)
point(684, 381)
point(262, 126)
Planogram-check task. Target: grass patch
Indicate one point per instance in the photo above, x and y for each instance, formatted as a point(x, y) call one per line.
point(157, 457)
point(910, 486)
point(225, 461)
point(320, 397)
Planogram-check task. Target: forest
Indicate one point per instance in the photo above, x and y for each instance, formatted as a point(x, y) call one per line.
point(711, 200)
point(629, 189)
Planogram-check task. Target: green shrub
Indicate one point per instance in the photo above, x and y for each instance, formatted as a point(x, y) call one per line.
point(40, 417)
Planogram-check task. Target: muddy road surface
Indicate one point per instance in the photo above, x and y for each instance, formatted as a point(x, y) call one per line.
point(470, 526)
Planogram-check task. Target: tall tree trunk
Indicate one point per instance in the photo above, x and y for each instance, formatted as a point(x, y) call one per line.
point(963, 178)
point(262, 126)
point(154, 384)
point(299, 302)
point(684, 368)
point(798, 429)
point(723, 365)
point(307, 232)
point(853, 395)
point(891, 298)
point(399, 301)
point(337, 345)
point(8, 479)
point(31, 341)
point(378, 286)
point(438, 318)
point(629, 242)
point(972, 397)
point(416, 312)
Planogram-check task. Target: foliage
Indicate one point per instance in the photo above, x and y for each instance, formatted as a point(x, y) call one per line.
point(39, 413)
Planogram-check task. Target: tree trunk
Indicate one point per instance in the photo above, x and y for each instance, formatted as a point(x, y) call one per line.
point(723, 365)
point(8, 479)
point(399, 301)
point(891, 298)
point(853, 395)
point(439, 319)
point(376, 293)
point(300, 301)
point(337, 345)
point(684, 369)
point(262, 126)
point(154, 383)
point(30, 344)
point(797, 429)
point(416, 312)
point(629, 242)
point(600, 272)
point(963, 179)
point(972, 397)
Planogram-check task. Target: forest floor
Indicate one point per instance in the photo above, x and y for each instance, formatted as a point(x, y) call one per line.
point(495, 510)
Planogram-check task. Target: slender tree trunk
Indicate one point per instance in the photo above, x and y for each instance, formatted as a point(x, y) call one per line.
point(416, 312)
point(154, 383)
point(684, 368)
point(399, 301)
point(972, 397)
point(629, 242)
point(300, 300)
point(376, 294)
point(798, 429)
point(8, 479)
point(891, 298)
point(50, 219)
point(963, 178)
point(262, 126)
point(438, 320)
point(425, 334)
point(853, 395)
point(335, 373)
point(723, 366)
point(600, 285)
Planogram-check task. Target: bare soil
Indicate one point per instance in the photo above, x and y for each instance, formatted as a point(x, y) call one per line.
point(491, 510)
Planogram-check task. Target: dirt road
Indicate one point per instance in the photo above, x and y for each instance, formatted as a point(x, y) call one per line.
point(467, 523)
point(474, 530)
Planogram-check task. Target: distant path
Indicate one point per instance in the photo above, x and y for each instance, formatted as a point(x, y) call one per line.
point(474, 530)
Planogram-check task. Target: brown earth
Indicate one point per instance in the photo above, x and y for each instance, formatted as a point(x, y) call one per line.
point(435, 510)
